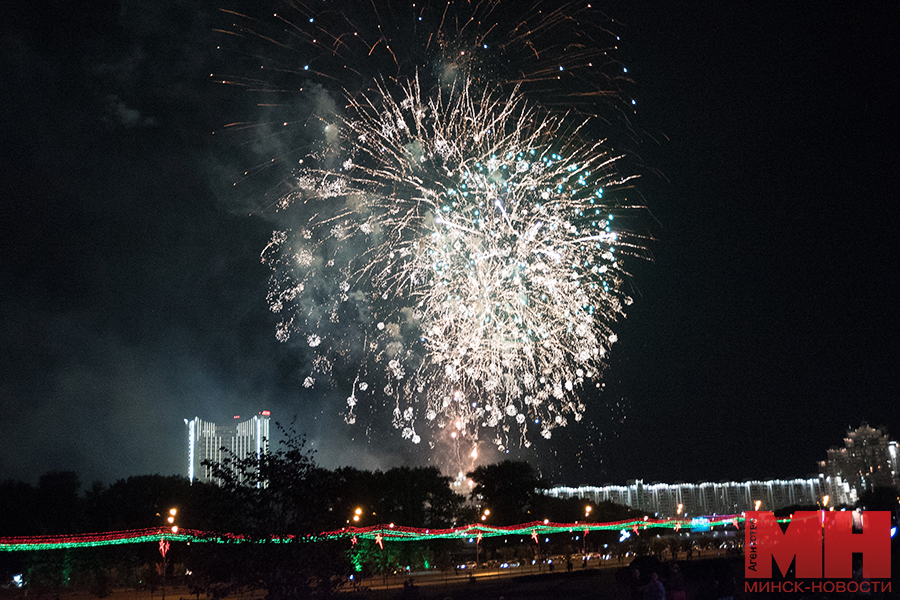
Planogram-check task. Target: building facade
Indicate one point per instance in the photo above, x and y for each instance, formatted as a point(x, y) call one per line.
point(869, 459)
point(209, 441)
point(700, 499)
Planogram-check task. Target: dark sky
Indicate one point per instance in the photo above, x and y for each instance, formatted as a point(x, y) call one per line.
point(133, 296)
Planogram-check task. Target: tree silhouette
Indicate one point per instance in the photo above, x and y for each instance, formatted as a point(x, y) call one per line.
point(280, 499)
point(508, 489)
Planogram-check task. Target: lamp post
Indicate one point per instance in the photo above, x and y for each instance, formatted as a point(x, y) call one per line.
point(353, 541)
point(164, 546)
point(484, 517)
point(587, 513)
point(379, 539)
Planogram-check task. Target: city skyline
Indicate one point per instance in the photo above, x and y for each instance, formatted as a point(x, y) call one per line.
point(841, 479)
point(760, 333)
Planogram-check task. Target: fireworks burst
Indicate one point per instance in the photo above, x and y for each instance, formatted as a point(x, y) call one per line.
point(463, 243)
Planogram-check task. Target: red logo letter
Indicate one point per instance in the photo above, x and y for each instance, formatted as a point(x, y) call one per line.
point(874, 543)
point(802, 539)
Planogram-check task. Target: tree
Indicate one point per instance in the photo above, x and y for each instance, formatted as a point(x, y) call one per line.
point(508, 489)
point(141, 501)
point(18, 509)
point(280, 501)
point(879, 498)
point(419, 497)
point(416, 497)
point(58, 502)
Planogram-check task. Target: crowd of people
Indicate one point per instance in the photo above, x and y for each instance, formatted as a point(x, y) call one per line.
point(719, 585)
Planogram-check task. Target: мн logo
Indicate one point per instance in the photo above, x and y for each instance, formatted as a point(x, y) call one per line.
point(820, 543)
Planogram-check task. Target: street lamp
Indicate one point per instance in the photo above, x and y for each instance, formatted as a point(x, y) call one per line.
point(164, 546)
point(587, 513)
point(484, 516)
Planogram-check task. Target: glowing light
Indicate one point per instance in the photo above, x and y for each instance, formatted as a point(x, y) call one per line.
point(389, 532)
point(463, 229)
point(191, 444)
point(511, 305)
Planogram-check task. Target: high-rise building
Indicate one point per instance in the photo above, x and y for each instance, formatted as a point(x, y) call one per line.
point(869, 459)
point(209, 441)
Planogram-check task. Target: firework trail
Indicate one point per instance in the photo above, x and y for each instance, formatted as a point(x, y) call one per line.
point(462, 245)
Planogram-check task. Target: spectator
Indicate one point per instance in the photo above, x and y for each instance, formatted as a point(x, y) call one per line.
point(654, 590)
point(676, 583)
point(725, 583)
point(634, 584)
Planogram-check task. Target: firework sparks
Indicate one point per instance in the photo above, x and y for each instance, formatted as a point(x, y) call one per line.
point(491, 268)
point(462, 243)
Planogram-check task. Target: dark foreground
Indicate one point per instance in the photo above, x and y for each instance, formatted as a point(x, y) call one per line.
point(593, 584)
point(590, 584)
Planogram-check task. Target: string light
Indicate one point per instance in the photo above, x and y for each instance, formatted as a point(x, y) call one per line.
point(388, 533)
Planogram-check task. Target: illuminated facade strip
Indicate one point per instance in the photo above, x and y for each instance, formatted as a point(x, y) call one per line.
point(694, 499)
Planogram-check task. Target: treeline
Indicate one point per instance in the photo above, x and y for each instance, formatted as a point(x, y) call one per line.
point(282, 493)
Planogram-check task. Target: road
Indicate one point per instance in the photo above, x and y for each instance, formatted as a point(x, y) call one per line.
point(436, 577)
point(461, 576)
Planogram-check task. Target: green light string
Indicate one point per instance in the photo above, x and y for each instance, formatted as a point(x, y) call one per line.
point(376, 532)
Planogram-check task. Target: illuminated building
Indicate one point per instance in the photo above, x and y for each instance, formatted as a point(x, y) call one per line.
point(869, 459)
point(208, 441)
point(696, 499)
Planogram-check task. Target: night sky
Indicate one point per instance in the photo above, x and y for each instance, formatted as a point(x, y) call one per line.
point(133, 296)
